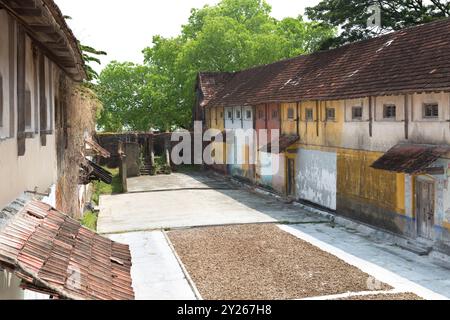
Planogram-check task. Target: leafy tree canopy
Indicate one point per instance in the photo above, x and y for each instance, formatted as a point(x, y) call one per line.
point(233, 35)
point(352, 15)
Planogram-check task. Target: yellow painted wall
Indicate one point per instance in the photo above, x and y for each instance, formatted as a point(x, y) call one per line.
point(208, 118)
point(330, 131)
point(357, 179)
point(288, 126)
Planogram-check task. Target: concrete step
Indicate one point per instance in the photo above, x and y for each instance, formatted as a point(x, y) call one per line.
point(419, 248)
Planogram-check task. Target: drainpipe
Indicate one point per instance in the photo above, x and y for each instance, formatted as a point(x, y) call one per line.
point(318, 116)
point(406, 118)
point(370, 117)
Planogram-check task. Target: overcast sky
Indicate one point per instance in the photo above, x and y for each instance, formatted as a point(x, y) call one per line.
point(124, 28)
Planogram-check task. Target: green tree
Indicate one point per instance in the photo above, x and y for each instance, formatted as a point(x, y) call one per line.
point(121, 90)
point(91, 55)
point(233, 35)
point(352, 15)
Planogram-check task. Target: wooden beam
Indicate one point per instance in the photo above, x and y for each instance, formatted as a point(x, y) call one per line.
point(29, 12)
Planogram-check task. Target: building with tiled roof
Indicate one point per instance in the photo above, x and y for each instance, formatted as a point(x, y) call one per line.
point(368, 128)
point(45, 116)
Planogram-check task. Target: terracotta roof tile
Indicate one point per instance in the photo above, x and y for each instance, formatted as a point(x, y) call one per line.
point(54, 254)
point(416, 59)
point(410, 158)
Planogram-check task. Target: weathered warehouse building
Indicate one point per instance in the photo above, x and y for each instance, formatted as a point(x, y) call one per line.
point(365, 128)
point(45, 119)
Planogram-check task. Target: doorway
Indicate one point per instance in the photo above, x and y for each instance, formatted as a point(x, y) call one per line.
point(425, 207)
point(291, 188)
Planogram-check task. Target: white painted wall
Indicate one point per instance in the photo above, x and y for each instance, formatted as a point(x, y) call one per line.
point(317, 177)
point(10, 287)
point(388, 133)
point(36, 170)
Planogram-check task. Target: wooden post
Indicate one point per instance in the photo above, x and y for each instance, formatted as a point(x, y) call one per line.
point(123, 167)
point(370, 116)
point(406, 107)
point(151, 150)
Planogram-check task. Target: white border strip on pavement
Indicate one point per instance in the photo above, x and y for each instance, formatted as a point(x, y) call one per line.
point(354, 294)
point(399, 283)
point(183, 268)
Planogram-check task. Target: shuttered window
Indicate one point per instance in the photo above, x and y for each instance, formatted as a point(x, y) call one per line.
point(28, 110)
point(309, 114)
point(21, 95)
point(42, 100)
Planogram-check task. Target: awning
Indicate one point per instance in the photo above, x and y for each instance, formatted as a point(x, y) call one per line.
point(285, 142)
point(410, 158)
point(97, 148)
point(53, 254)
point(89, 171)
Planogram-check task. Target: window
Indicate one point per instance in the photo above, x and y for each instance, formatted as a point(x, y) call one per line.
point(248, 114)
point(275, 114)
point(389, 111)
point(309, 115)
point(221, 115)
point(331, 114)
point(261, 114)
point(230, 115)
point(238, 114)
point(290, 113)
point(28, 110)
point(357, 113)
point(431, 110)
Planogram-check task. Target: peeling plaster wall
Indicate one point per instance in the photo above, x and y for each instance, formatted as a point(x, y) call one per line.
point(10, 287)
point(271, 171)
point(316, 177)
point(36, 170)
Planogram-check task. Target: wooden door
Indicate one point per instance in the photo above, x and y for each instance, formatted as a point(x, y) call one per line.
point(425, 199)
point(291, 177)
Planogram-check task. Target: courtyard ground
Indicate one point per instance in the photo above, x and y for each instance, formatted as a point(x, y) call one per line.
point(197, 235)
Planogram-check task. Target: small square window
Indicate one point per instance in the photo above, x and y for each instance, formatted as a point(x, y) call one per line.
point(331, 114)
point(248, 114)
point(357, 113)
point(431, 110)
point(238, 114)
point(261, 114)
point(291, 113)
point(274, 114)
point(309, 114)
point(389, 111)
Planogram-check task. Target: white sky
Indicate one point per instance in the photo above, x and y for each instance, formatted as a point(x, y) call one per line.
point(125, 28)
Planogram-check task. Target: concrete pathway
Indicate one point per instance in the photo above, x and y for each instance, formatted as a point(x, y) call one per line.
point(194, 199)
point(155, 272)
point(190, 200)
point(420, 270)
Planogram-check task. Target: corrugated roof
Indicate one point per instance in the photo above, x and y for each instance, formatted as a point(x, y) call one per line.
point(53, 253)
point(285, 142)
point(97, 148)
point(410, 158)
point(416, 59)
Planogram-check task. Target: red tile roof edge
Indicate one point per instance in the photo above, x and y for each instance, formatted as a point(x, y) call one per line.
point(25, 250)
point(373, 67)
